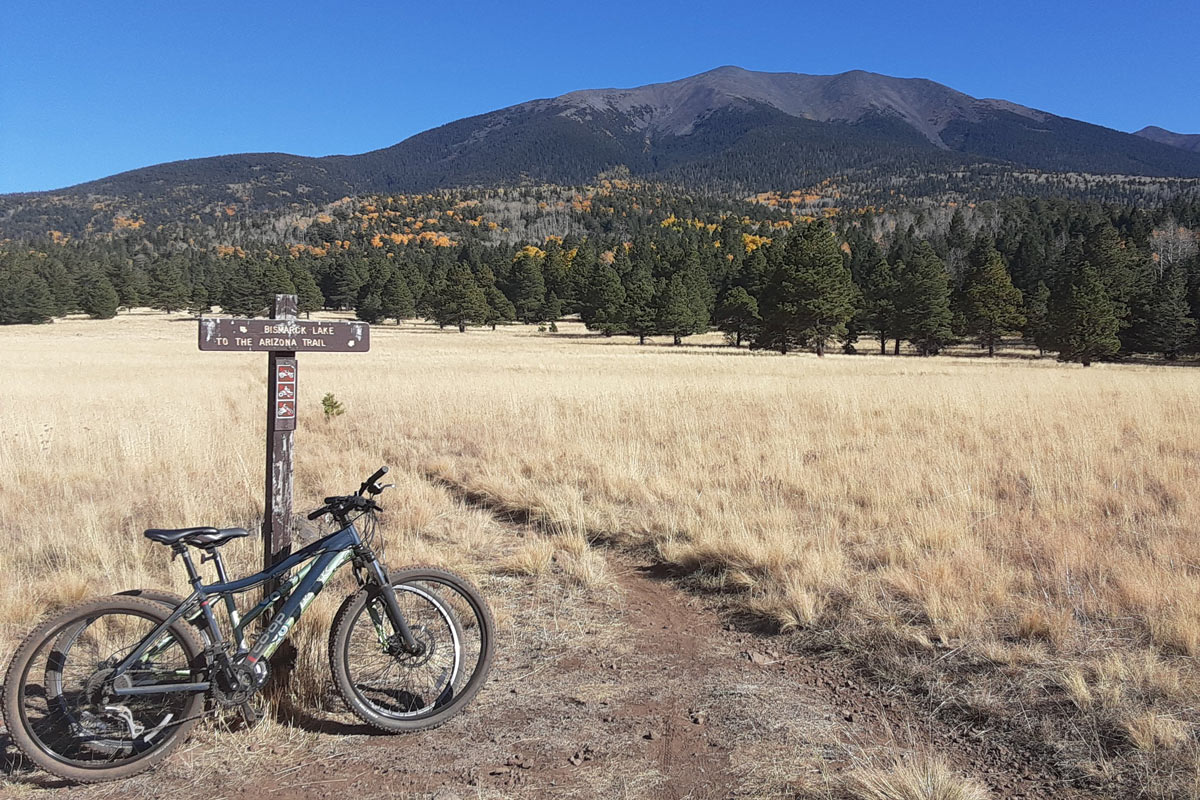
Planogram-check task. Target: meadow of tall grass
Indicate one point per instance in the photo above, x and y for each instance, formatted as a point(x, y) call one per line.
point(1012, 538)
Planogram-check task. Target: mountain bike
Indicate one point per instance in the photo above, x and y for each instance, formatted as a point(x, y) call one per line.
point(108, 688)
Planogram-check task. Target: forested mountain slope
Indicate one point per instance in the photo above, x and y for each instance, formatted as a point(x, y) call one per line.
point(729, 130)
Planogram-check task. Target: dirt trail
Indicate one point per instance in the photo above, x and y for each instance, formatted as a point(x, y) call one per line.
point(642, 692)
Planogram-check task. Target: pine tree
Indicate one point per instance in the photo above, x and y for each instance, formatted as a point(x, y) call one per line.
point(993, 303)
point(958, 237)
point(811, 297)
point(604, 302)
point(25, 298)
point(370, 308)
point(737, 316)
point(131, 284)
point(347, 281)
point(308, 294)
point(1116, 267)
point(880, 289)
point(98, 297)
point(1173, 326)
point(241, 297)
point(555, 271)
point(924, 307)
point(463, 302)
point(167, 291)
point(1038, 327)
point(639, 301)
point(396, 301)
point(198, 303)
point(528, 288)
point(682, 302)
point(552, 311)
point(61, 284)
point(1088, 324)
point(674, 312)
point(500, 309)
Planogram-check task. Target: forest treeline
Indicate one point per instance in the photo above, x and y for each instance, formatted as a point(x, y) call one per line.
point(1085, 281)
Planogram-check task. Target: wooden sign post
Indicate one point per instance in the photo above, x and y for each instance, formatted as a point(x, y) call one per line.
point(282, 336)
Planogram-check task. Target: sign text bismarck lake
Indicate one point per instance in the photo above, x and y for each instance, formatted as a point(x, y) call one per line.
point(330, 336)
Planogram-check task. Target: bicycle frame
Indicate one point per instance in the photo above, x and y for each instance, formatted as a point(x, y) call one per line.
point(324, 557)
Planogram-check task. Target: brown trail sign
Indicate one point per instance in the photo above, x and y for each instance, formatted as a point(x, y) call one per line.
point(282, 337)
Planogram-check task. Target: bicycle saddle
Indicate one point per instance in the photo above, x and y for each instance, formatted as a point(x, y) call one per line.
point(196, 537)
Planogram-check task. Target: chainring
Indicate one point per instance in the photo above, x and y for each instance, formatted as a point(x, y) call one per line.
point(234, 689)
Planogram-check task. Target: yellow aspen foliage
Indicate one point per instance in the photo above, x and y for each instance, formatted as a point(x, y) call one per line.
point(127, 223)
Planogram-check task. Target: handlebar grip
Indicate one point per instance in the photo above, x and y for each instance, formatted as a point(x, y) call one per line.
point(369, 482)
point(320, 512)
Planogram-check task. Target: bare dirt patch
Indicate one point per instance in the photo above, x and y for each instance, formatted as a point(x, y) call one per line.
point(642, 691)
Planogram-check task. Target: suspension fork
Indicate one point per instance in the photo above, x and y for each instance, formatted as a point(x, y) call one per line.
point(376, 573)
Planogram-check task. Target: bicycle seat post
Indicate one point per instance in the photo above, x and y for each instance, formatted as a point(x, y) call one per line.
point(193, 574)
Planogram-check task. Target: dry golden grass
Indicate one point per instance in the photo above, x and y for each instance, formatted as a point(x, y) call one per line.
point(923, 779)
point(1030, 521)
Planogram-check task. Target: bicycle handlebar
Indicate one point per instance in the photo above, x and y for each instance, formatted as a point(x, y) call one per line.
point(371, 485)
point(341, 505)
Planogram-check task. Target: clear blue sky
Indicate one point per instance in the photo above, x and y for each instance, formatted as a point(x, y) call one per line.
point(88, 89)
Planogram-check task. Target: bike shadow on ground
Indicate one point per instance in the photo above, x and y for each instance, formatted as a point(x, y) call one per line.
point(307, 721)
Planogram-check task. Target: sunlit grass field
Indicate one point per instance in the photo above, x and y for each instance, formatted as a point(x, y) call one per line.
point(1013, 537)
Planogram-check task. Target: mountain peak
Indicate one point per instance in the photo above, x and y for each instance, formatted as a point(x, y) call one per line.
point(1184, 141)
point(674, 108)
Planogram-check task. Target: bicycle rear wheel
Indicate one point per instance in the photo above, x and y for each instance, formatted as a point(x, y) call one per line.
point(59, 702)
point(397, 691)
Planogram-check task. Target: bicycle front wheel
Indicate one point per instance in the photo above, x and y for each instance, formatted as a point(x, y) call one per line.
point(403, 692)
point(60, 703)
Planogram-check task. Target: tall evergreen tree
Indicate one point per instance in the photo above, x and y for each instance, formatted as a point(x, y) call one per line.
point(347, 281)
point(993, 303)
point(528, 288)
point(681, 300)
point(98, 297)
point(1173, 328)
point(737, 316)
point(61, 283)
point(1088, 323)
point(1038, 326)
point(500, 309)
point(639, 310)
point(370, 308)
point(924, 307)
point(241, 297)
point(880, 289)
point(167, 289)
point(555, 271)
point(308, 294)
point(463, 303)
point(24, 296)
point(811, 297)
point(603, 302)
